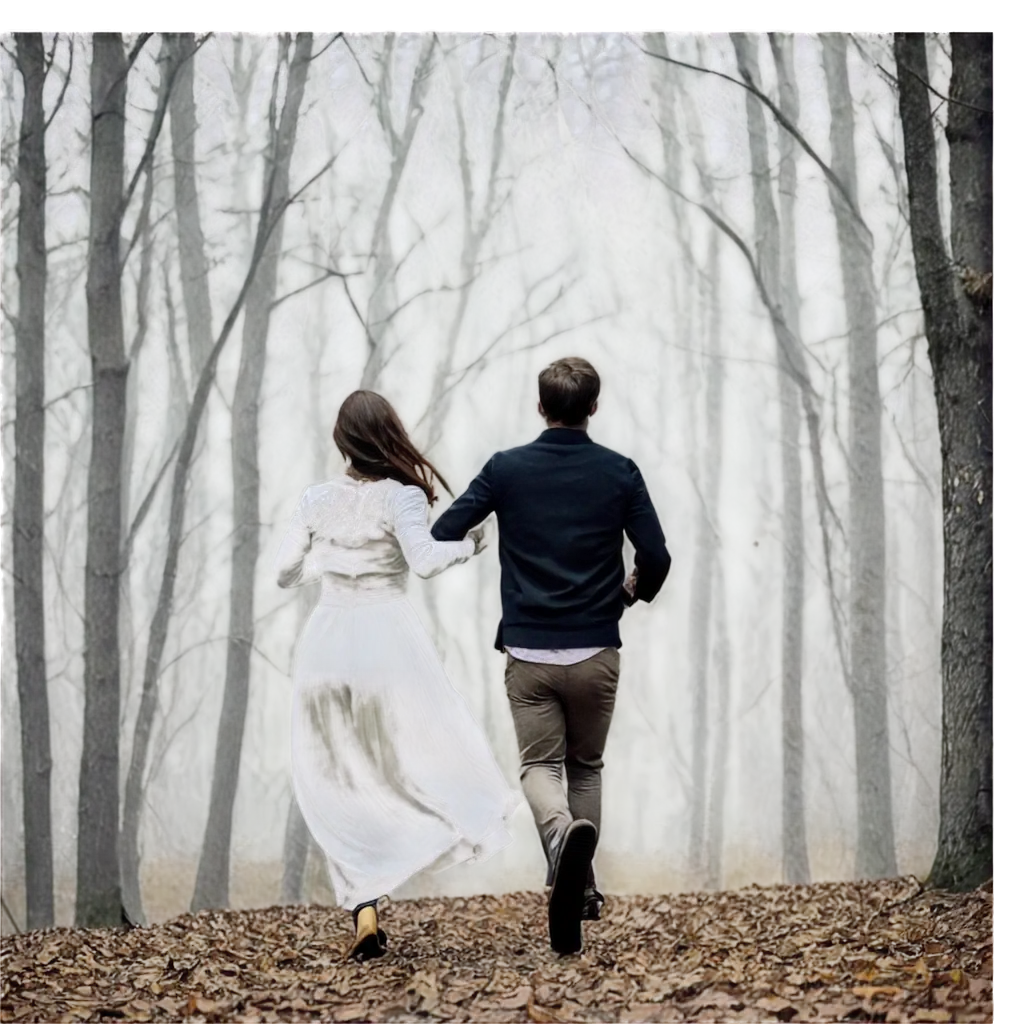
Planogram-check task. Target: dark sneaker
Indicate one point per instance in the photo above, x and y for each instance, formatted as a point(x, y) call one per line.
point(565, 904)
point(592, 901)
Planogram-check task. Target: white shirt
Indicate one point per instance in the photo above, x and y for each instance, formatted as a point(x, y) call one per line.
point(557, 656)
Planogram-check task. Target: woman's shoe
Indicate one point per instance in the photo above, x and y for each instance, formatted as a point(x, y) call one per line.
point(371, 940)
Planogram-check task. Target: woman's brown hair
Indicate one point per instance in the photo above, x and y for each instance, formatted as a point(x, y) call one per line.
point(370, 435)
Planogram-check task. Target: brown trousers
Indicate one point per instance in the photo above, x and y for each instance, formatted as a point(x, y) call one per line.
point(561, 715)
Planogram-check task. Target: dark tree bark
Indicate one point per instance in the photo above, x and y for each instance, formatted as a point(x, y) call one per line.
point(876, 847)
point(795, 862)
point(98, 898)
point(28, 514)
point(956, 296)
point(213, 874)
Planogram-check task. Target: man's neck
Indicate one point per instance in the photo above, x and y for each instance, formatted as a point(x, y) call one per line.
point(554, 425)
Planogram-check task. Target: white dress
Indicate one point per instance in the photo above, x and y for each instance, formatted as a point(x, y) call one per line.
point(391, 771)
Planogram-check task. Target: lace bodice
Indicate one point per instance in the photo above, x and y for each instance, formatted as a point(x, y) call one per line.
point(362, 536)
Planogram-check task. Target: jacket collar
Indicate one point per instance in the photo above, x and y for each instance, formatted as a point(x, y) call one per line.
point(564, 435)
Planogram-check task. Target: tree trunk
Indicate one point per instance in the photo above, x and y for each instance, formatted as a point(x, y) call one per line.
point(778, 267)
point(130, 895)
point(795, 862)
point(681, 294)
point(296, 852)
point(98, 898)
point(956, 297)
point(177, 69)
point(213, 875)
point(28, 510)
point(717, 660)
point(876, 849)
point(297, 839)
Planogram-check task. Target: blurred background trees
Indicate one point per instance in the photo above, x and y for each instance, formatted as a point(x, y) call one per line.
point(789, 324)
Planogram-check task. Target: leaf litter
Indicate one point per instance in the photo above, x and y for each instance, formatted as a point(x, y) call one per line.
point(885, 950)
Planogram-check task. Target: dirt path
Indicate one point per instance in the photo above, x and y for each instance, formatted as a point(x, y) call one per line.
point(883, 951)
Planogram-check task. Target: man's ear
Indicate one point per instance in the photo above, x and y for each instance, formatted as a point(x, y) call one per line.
point(540, 409)
point(593, 408)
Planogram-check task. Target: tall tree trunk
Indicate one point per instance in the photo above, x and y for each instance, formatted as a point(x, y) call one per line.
point(682, 291)
point(876, 848)
point(770, 232)
point(795, 863)
point(128, 852)
point(28, 514)
point(213, 874)
point(924, 612)
point(98, 898)
point(717, 663)
point(957, 300)
point(177, 69)
point(297, 839)
point(176, 64)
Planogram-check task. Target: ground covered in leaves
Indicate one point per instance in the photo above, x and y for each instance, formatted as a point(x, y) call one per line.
point(882, 951)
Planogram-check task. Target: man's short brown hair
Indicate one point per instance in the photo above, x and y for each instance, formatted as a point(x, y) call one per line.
point(568, 390)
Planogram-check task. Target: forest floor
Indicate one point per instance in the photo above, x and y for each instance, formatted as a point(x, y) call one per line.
point(881, 951)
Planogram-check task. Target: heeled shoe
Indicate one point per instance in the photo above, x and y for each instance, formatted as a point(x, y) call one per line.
point(371, 940)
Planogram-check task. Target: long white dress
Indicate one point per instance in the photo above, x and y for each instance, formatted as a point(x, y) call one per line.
point(391, 771)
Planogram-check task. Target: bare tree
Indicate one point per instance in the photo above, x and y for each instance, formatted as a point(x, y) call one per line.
point(28, 522)
point(213, 873)
point(955, 281)
point(876, 848)
point(769, 231)
point(795, 863)
point(98, 897)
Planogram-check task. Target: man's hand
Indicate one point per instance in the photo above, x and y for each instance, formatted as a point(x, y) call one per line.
point(629, 589)
point(478, 535)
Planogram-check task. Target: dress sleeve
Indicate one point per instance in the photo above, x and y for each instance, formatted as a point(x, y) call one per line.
point(426, 556)
point(294, 565)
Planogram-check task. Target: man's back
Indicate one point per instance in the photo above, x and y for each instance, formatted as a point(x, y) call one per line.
point(562, 504)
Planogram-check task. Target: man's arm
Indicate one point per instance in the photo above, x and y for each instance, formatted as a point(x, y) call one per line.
point(468, 510)
point(644, 532)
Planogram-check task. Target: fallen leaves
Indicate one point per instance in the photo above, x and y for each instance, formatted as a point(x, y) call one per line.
point(883, 951)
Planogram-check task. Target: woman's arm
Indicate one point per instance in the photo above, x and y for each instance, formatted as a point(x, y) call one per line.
point(293, 565)
point(426, 556)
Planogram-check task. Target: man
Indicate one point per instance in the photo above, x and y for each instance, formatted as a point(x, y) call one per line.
point(563, 504)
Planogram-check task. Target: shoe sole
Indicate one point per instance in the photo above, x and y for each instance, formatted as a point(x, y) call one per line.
point(565, 905)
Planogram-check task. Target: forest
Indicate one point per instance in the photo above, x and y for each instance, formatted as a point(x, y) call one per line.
point(777, 251)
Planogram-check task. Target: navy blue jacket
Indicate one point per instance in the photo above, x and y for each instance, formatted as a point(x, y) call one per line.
point(563, 504)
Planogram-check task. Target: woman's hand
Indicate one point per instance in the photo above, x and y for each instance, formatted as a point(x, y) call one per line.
point(478, 535)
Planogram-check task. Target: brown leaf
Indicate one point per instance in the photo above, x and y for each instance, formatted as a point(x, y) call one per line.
point(783, 1009)
point(939, 1016)
point(870, 991)
point(517, 1000)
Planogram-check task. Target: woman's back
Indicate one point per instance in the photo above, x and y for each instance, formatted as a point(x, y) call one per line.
point(360, 535)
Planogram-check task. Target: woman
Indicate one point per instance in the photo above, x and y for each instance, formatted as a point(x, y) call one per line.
point(392, 773)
